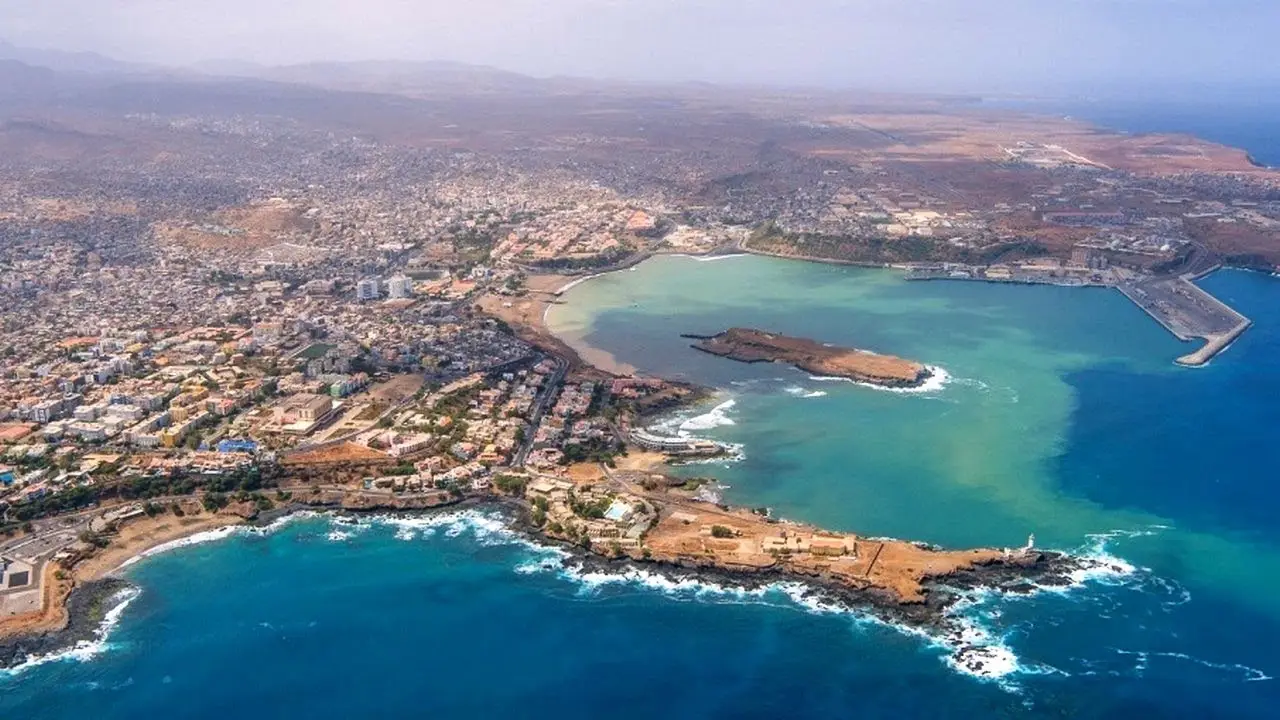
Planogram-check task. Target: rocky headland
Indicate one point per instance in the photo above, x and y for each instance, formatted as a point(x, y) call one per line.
point(752, 346)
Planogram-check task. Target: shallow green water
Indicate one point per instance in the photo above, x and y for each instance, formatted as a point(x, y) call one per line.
point(985, 460)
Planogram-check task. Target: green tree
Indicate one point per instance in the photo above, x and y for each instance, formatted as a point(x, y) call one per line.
point(214, 501)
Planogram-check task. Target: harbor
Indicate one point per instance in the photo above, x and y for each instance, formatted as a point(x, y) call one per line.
point(1189, 313)
point(1181, 306)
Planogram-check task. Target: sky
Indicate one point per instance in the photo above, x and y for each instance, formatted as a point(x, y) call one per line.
point(937, 45)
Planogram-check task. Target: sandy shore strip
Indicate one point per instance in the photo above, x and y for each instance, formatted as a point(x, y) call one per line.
point(143, 534)
point(527, 315)
point(594, 356)
point(132, 540)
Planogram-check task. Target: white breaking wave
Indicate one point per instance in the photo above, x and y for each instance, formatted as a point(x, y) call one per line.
point(487, 528)
point(733, 453)
point(970, 648)
point(85, 649)
point(685, 427)
point(215, 534)
point(936, 382)
point(575, 283)
point(800, 392)
point(716, 417)
point(969, 643)
point(1248, 674)
point(196, 539)
point(710, 258)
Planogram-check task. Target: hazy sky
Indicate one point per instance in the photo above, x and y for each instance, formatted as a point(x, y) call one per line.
point(970, 45)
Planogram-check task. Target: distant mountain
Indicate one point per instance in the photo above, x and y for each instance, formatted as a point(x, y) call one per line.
point(22, 81)
point(404, 78)
point(229, 67)
point(71, 62)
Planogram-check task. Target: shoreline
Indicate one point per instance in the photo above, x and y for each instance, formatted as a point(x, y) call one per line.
point(94, 605)
point(527, 315)
point(102, 591)
point(140, 541)
point(923, 607)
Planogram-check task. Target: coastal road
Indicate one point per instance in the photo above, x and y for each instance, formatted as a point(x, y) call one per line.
point(540, 408)
point(49, 535)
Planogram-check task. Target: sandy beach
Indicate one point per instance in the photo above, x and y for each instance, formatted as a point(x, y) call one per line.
point(144, 534)
point(527, 316)
point(133, 539)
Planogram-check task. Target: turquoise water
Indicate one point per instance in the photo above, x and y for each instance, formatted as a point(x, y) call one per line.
point(1063, 415)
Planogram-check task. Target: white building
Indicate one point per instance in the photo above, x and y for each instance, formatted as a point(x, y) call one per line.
point(400, 287)
point(370, 289)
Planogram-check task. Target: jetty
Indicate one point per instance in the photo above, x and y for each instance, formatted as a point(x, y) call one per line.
point(1183, 308)
point(1189, 313)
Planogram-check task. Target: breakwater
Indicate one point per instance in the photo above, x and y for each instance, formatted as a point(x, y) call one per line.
point(1180, 306)
point(1189, 313)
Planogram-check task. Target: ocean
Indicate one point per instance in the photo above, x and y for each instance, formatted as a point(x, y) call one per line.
point(1238, 117)
point(1061, 414)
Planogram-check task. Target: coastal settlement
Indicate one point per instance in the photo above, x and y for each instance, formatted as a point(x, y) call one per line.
point(225, 425)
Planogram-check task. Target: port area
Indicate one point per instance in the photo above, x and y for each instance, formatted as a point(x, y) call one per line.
point(1188, 312)
point(1175, 301)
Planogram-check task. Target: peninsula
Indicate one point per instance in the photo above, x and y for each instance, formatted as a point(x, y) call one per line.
point(623, 519)
point(752, 346)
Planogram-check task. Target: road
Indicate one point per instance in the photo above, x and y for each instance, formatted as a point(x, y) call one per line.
point(539, 409)
point(50, 535)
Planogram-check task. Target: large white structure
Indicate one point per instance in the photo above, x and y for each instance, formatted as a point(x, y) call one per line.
point(368, 289)
point(400, 287)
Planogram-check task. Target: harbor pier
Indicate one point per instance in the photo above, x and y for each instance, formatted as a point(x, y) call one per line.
point(1183, 308)
point(1189, 313)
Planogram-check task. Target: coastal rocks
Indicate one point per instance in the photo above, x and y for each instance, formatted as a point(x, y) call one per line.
point(374, 502)
point(1021, 572)
point(752, 346)
point(1018, 573)
point(86, 609)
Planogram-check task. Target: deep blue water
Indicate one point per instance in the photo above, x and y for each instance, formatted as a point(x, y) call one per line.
point(1186, 452)
point(448, 622)
point(462, 620)
point(452, 616)
point(1243, 119)
point(298, 624)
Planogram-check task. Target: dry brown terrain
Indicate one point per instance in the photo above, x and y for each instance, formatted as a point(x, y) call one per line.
point(57, 584)
point(981, 136)
point(250, 227)
point(340, 453)
point(749, 345)
point(683, 535)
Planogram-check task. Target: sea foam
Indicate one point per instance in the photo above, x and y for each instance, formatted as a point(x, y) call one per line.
point(215, 534)
point(796, 391)
point(716, 417)
point(710, 258)
point(85, 649)
point(937, 381)
point(969, 648)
